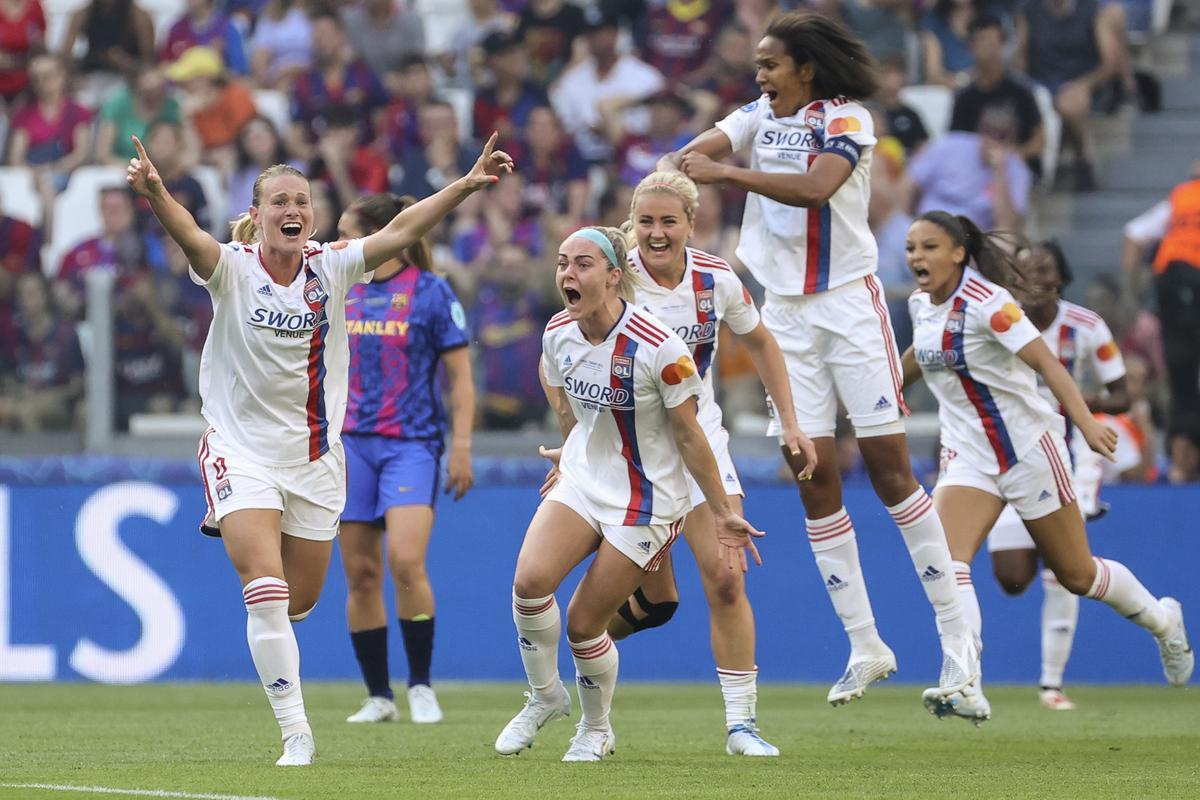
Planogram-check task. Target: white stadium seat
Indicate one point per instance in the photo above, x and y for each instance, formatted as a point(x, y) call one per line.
point(274, 106)
point(1052, 128)
point(77, 212)
point(210, 181)
point(19, 195)
point(933, 103)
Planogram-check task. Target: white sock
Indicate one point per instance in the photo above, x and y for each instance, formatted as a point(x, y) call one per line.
point(273, 648)
point(967, 598)
point(740, 690)
point(596, 663)
point(1060, 611)
point(836, 551)
point(922, 531)
point(539, 627)
point(1116, 586)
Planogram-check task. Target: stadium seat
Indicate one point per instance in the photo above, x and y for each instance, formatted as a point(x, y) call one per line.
point(1160, 16)
point(210, 181)
point(77, 212)
point(274, 106)
point(440, 18)
point(1052, 128)
point(165, 13)
point(58, 15)
point(933, 103)
point(464, 109)
point(19, 196)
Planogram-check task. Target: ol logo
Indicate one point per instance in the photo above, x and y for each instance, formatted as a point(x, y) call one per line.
point(954, 322)
point(622, 366)
point(704, 301)
point(224, 490)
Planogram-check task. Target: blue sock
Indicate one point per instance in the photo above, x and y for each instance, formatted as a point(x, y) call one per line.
point(418, 645)
point(370, 647)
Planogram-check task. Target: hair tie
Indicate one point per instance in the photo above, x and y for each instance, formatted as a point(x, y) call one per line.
point(600, 240)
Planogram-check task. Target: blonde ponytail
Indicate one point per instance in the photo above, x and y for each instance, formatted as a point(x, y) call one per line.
point(243, 228)
point(630, 279)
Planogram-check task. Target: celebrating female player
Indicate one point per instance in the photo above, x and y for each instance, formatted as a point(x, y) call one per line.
point(806, 240)
point(1082, 342)
point(401, 325)
point(693, 292)
point(273, 380)
point(1002, 442)
point(624, 389)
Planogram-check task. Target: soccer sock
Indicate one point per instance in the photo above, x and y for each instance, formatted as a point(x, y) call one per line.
point(418, 646)
point(921, 528)
point(273, 648)
point(836, 551)
point(967, 599)
point(596, 663)
point(370, 648)
point(539, 627)
point(1060, 611)
point(740, 690)
point(1116, 586)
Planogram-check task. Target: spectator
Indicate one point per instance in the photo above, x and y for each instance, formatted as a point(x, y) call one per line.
point(20, 254)
point(993, 86)
point(281, 47)
point(668, 131)
point(409, 87)
point(883, 25)
point(945, 55)
point(978, 175)
point(1175, 223)
point(147, 350)
point(337, 77)
point(166, 140)
point(457, 61)
point(504, 104)
point(502, 220)
point(902, 121)
point(549, 29)
point(1071, 48)
point(53, 133)
point(203, 25)
point(729, 72)
point(217, 106)
point(439, 159)
point(22, 33)
point(131, 112)
point(118, 37)
point(385, 32)
point(259, 145)
point(1137, 448)
point(47, 383)
point(679, 36)
point(349, 167)
point(120, 248)
point(555, 174)
point(601, 86)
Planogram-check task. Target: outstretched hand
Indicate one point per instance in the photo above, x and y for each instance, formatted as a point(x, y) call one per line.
point(491, 165)
point(735, 535)
point(553, 455)
point(141, 174)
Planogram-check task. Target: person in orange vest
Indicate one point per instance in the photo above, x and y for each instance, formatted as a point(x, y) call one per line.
point(1175, 224)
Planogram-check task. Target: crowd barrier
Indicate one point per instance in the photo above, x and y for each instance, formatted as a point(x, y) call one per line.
point(106, 578)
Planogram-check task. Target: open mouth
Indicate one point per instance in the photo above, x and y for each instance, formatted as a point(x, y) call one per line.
point(572, 296)
point(659, 247)
point(920, 273)
point(772, 95)
point(291, 229)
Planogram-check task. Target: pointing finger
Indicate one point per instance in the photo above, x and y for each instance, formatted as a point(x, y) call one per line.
point(141, 150)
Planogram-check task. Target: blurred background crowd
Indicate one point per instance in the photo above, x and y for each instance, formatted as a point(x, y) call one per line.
point(1001, 110)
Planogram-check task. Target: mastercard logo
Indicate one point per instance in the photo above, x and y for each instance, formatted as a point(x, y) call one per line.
point(1107, 351)
point(1006, 317)
point(844, 125)
point(674, 374)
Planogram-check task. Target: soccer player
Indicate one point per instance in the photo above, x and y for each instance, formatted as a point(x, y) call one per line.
point(624, 389)
point(273, 379)
point(1083, 343)
point(401, 325)
point(805, 238)
point(1002, 442)
point(693, 292)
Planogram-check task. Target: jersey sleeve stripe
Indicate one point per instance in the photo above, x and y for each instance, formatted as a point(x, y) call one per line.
point(703, 259)
point(652, 335)
point(981, 291)
point(980, 397)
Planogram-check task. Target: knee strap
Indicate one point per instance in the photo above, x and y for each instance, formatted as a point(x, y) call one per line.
point(657, 614)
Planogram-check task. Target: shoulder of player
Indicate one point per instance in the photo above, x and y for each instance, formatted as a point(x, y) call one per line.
point(1081, 317)
point(558, 323)
point(979, 290)
point(647, 329)
point(707, 262)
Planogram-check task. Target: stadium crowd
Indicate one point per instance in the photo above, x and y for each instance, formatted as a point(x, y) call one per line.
point(585, 96)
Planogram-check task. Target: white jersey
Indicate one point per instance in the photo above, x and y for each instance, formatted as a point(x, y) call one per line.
point(708, 294)
point(621, 453)
point(988, 403)
point(796, 251)
point(1083, 343)
point(273, 374)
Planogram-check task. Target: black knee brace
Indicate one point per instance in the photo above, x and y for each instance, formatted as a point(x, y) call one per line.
point(656, 613)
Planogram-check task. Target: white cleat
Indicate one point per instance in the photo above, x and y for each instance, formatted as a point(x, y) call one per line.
point(375, 709)
point(518, 734)
point(423, 706)
point(1056, 700)
point(960, 663)
point(591, 744)
point(299, 749)
point(861, 672)
point(969, 704)
point(1178, 659)
point(744, 741)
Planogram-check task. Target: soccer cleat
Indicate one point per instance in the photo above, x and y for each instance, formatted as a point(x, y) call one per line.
point(1056, 700)
point(1177, 657)
point(862, 671)
point(298, 751)
point(744, 741)
point(423, 705)
point(375, 709)
point(970, 704)
point(591, 744)
point(960, 665)
point(519, 732)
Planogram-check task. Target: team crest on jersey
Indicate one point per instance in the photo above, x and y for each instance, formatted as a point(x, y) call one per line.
point(1067, 350)
point(399, 301)
point(955, 321)
point(314, 292)
point(753, 104)
point(815, 118)
point(704, 301)
point(224, 490)
point(622, 367)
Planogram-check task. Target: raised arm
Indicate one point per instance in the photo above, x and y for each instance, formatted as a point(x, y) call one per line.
point(1099, 437)
point(202, 250)
point(407, 227)
point(713, 143)
point(808, 190)
point(772, 371)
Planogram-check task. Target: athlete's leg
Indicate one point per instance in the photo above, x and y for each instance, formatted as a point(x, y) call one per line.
point(361, 545)
point(409, 529)
point(652, 604)
point(1060, 615)
point(1014, 569)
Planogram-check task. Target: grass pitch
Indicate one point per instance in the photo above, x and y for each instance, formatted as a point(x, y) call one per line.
point(220, 739)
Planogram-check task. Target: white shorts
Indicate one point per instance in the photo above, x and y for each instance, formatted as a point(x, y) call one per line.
point(729, 476)
point(1037, 485)
point(645, 545)
point(310, 496)
point(838, 345)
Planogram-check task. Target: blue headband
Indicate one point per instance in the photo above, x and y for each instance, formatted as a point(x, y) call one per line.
point(600, 240)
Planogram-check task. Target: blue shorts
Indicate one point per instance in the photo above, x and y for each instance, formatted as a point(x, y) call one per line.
point(382, 472)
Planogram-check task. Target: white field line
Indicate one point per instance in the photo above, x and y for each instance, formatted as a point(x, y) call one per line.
point(55, 787)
